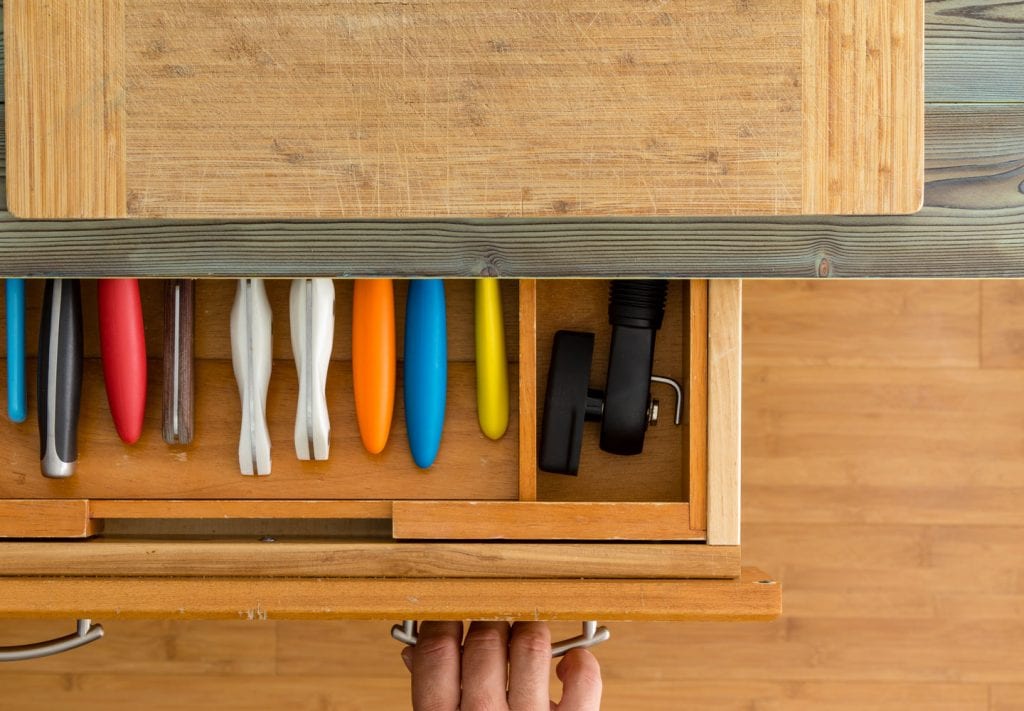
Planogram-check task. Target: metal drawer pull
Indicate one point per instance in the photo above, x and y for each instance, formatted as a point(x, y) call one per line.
point(86, 633)
point(592, 635)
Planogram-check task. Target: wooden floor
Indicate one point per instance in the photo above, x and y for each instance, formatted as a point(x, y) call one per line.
point(884, 485)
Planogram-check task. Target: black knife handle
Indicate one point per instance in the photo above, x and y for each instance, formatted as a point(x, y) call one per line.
point(60, 377)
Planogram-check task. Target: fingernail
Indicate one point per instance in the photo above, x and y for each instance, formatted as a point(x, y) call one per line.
point(407, 658)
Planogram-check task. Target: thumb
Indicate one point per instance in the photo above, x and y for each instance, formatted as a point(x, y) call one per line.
point(581, 681)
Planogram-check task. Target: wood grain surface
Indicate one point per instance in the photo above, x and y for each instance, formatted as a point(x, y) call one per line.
point(464, 109)
point(725, 391)
point(220, 510)
point(528, 390)
point(752, 596)
point(1002, 337)
point(66, 67)
point(20, 518)
point(696, 398)
point(971, 227)
point(889, 325)
point(863, 106)
point(298, 558)
point(974, 49)
point(543, 520)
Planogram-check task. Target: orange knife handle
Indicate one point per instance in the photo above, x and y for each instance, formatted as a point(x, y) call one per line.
point(373, 360)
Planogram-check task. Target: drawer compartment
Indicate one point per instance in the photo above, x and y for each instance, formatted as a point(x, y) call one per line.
point(207, 469)
point(644, 497)
point(161, 519)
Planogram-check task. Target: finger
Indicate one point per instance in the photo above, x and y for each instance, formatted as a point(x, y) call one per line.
point(435, 666)
point(581, 681)
point(485, 666)
point(529, 669)
point(407, 658)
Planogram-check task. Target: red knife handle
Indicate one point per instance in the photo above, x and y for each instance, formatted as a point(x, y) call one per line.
point(123, 348)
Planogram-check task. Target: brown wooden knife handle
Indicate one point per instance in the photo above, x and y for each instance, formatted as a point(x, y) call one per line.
point(179, 381)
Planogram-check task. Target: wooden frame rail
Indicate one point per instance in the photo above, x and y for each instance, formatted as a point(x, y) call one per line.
point(345, 558)
point(752, 596)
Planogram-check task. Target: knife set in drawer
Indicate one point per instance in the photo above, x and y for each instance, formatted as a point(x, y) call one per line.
point(458, 409)
point(311, 324)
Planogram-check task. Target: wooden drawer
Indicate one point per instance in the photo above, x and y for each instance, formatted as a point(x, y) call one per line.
point(175, 531)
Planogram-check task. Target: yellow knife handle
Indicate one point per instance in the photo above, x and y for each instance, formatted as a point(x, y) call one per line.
point(491, 361)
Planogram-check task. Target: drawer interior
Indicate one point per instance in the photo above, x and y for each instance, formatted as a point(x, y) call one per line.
point(661, 473)
point(477, 489)
point(207, 468)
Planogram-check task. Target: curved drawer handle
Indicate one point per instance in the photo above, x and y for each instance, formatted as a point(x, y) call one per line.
point(592, 635)
point(83, 635)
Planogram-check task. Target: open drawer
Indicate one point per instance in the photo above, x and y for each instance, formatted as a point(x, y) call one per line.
point(175, 531)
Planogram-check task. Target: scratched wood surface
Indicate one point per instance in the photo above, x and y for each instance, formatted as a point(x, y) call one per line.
point(67, 81)
point(970, 226)
point(458, 108)
point(883, 489)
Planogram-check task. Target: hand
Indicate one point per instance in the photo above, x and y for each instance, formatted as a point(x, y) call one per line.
point(497, 668)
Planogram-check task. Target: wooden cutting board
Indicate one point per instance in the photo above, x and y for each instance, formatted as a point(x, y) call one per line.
point(463, 108)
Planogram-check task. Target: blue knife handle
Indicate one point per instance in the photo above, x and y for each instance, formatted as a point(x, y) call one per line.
point(17, 397)
point(425, 380)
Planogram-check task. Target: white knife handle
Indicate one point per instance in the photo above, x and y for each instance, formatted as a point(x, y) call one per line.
point(252, 357)
point(312, 326)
